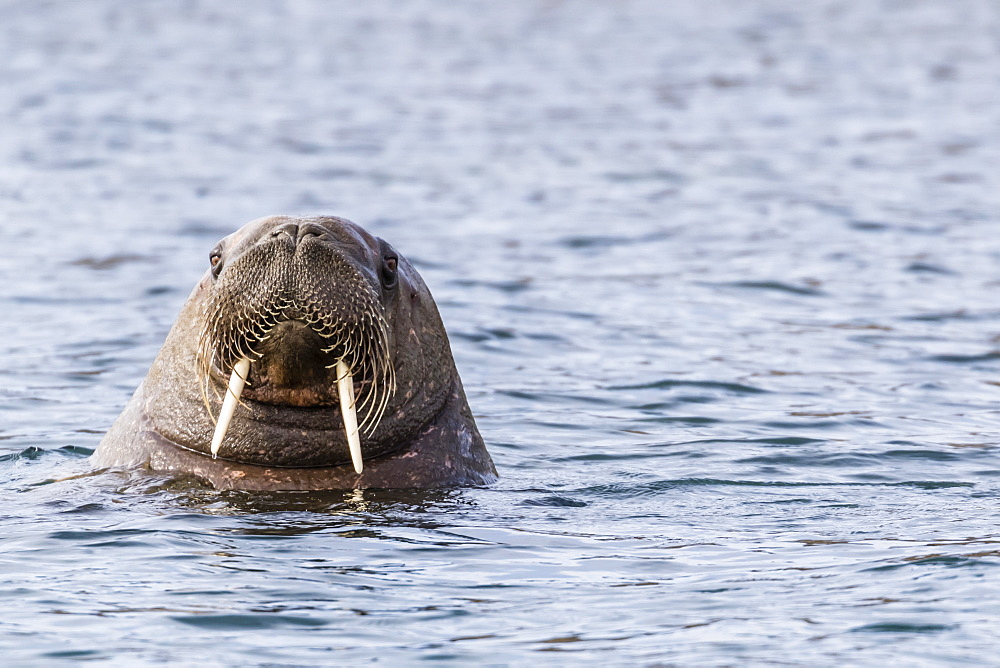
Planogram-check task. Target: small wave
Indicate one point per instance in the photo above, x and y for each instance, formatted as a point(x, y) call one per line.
point(111, 261)
point(248, 622)
point(555, 501)
point(668, 384)
point(691, 420)
point(967, 359)
point(928, 268)
point(950, 561)
point(512, 286)
point(775, 286)
point(33, 452)
point(655, 487)
point(831, 460)
point(868, 226)
point(959, 314)
point(902, 627)
point(600, 241)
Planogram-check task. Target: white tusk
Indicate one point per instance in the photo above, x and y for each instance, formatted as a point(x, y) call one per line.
point(236, 382)
point(345, 385)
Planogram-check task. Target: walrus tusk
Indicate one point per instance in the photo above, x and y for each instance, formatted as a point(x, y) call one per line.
point(345, 385)
point(236, 382)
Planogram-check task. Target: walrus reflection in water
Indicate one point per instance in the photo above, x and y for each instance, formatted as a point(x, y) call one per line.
point(310, 356)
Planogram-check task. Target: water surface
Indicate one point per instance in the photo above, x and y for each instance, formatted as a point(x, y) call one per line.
point(720, 279)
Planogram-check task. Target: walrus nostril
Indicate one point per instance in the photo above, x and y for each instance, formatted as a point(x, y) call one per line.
point(290, 229)
point(307, 230)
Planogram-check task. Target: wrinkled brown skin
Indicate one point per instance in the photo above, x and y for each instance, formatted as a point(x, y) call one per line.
point(427, 438)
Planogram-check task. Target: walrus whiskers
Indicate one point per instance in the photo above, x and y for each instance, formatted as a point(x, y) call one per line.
point(236, 382)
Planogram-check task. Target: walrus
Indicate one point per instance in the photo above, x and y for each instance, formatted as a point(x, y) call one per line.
point(309, 356)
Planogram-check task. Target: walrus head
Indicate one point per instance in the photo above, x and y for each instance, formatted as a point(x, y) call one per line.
point(318, 345)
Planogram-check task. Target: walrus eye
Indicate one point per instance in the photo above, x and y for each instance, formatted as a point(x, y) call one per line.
point(389, 265)
point(215, 259)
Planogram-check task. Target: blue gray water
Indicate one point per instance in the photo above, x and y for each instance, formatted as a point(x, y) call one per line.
point(721, 279)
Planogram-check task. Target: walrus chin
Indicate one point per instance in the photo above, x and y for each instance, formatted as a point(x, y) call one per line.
point(310, 356)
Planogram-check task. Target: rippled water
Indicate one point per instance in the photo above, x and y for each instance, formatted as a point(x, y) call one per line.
point(721, 279)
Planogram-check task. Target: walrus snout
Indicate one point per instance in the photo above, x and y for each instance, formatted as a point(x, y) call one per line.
point(294, 273)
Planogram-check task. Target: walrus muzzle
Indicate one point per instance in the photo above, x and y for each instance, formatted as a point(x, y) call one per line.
point(294, 321)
